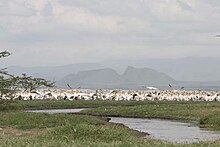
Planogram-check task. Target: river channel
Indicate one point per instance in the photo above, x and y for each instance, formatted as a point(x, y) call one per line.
point(169, 130)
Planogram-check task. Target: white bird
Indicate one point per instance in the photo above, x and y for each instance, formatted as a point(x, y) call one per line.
point(152, 88)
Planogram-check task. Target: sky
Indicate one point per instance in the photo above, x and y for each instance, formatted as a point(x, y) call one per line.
point(58, 32)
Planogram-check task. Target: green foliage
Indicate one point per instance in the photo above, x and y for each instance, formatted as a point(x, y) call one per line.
point(31, 83)
point(10, 83)
point(7, 86)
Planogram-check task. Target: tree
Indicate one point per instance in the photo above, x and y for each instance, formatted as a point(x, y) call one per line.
point(10, 83)
point(30, 83)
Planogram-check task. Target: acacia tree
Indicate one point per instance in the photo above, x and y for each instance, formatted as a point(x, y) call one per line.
point(31, 83)
point(9, 83)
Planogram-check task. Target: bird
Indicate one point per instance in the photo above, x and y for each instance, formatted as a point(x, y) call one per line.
point(182, 88)
point(152, 88)
point(69, 86)
point(170, 86)
point(35, 92)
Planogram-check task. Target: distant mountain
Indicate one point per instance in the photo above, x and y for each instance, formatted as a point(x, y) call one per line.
point(132, 78)
point(184, 69)
point(192, 72)
point(56, 72)
point(90, 79)
point(145, 76)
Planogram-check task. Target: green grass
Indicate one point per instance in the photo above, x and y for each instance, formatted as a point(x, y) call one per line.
point(22, 120)
point(67, 130)
point(42, 104)
point(7, 105)
point(207, 114)
point(39, 129)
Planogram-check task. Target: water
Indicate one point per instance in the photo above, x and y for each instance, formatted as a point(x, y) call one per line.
point(55, 111)
point(173, 131)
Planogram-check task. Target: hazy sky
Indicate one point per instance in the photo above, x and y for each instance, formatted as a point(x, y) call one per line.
point(56, 32)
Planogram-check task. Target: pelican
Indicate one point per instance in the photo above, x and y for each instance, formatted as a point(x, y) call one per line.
point(152, 88)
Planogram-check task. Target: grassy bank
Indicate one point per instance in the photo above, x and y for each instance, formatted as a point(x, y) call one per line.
point(52, 104)
point(207, 114)
point(32, 129)
point(19, 128)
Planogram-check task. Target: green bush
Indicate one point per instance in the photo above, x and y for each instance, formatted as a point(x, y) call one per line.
point(212, 120)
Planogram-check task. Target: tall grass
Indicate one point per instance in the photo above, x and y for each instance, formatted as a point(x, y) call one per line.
point(67, 130)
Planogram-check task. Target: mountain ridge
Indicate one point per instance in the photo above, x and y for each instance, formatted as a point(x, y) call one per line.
point(183, 69)
point(109, 78)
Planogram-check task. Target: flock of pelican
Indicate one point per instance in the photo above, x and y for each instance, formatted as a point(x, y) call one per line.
point(117, 95)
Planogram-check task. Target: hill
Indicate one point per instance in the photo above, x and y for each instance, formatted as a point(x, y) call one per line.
point(132, 78)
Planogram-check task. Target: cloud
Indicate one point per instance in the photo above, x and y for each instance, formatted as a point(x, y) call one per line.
point(46, 13)
point(92, 30)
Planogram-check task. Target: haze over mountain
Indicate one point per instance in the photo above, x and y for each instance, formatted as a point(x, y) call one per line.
point(201, 69)
point(185, 69)
point(132, 78)
point(53, 72)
